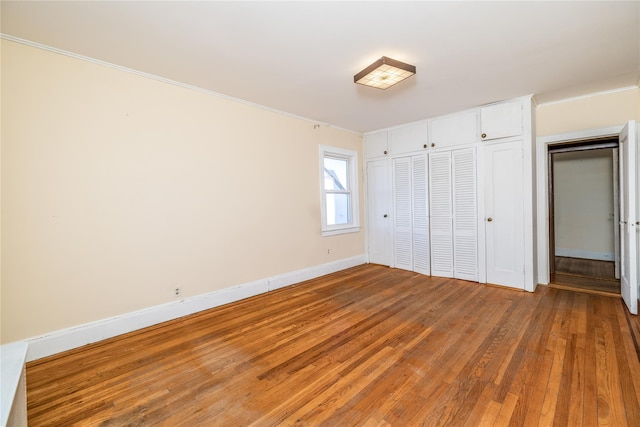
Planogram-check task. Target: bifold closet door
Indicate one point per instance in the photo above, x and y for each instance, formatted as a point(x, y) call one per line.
point(465, 214)
point(411, 222)
point(453, 204)
point(420, 215)
point(441, 214)
point(402, 230)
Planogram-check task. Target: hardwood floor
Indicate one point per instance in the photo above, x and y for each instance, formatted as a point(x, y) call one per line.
point(585, 275)
point(369, 346)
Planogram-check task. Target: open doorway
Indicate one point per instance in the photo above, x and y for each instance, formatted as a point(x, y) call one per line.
point(583, 208)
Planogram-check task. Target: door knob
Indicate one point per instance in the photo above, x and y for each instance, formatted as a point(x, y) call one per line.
point(489, 219)
point(385, 215)
point(484, 135)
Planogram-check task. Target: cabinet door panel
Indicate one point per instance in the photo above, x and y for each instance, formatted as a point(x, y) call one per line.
point(379, 212)
point(465, 223)
point(501, 120)
point(455, 129)
point(504, 209)
point(441, 214)
point(408, 138)
point(376, 145)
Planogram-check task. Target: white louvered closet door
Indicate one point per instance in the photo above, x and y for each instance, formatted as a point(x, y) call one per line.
point(465, 224)
point(440, 205)
point(421, 261)
point(402, 218)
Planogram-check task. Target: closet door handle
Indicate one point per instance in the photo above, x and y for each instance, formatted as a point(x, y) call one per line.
point(385, 215)
point(489, 219)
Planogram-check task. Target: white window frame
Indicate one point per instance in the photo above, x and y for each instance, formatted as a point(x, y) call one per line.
point(352, 157)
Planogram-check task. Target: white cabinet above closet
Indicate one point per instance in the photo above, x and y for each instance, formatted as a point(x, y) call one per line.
point(376, 145)
point(501, 120)
point(454, 129)
point(408, 139)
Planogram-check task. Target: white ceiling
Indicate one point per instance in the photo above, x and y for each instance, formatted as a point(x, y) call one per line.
point(300, 57)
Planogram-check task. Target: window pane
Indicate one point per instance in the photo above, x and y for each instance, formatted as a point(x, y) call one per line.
point(338, 209)
point(335, 174)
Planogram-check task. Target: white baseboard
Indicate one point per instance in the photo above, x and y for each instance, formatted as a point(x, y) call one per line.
point(67, 339)
point(298, 276)
point(579, 253)
point(13, 384)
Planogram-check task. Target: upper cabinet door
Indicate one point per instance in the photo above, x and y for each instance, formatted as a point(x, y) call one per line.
point(376, 145)
point(408, 139)
point(455, 129)
point(501, 120)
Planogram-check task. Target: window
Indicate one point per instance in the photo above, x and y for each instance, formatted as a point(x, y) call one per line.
point(339, 187)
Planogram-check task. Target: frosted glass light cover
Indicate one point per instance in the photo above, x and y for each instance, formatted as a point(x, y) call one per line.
point(384, 73)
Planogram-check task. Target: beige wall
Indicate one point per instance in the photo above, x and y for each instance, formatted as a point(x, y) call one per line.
point(118, 188)
point(591, 112)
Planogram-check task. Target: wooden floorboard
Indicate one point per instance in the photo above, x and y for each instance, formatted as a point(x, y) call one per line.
point(369, 346)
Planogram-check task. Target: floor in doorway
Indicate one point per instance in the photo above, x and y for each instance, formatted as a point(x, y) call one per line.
point(585, 275)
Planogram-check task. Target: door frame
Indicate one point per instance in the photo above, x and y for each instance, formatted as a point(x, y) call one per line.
point(542, 178)
point(604, 143)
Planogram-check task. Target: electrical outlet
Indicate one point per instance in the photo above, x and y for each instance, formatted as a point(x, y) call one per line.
point(328, 251)
point(177, 292)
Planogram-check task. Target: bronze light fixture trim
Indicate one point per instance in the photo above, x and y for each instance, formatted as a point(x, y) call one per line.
point(384, 73)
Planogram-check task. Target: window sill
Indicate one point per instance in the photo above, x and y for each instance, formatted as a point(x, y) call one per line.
point(337, 231)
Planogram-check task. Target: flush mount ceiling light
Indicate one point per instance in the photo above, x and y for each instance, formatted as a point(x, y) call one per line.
point(384, 73)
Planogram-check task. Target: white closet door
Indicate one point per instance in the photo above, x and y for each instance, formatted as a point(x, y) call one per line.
point(441, 214)
point(504, 210)
point(379, 212)
point(628, 217)
point(402, 218)
point(421, 262)
point(465, 233)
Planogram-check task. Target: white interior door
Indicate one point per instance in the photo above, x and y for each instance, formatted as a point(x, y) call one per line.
point(616, 214)
point(379, 204)
point(628, 219)
point(504, 210)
